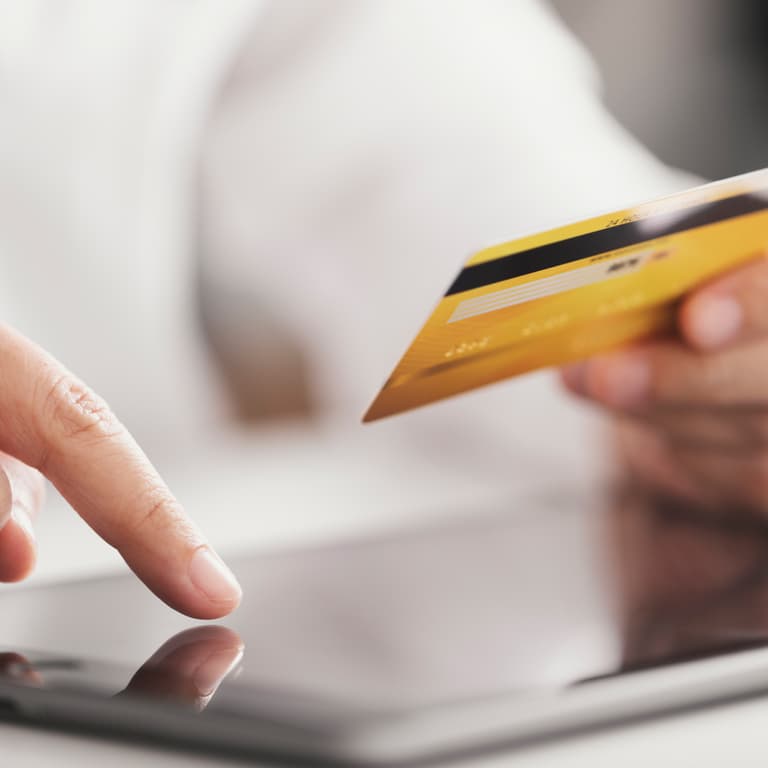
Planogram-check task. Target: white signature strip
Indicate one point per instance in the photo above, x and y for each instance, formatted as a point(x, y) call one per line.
point(549, 286)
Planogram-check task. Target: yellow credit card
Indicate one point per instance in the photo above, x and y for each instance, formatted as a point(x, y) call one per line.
point(571, 292)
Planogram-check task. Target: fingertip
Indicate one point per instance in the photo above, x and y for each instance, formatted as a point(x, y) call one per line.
point(18, 548)
point(183, 570)
point(710, 320)
point(6, 498)
point(20, 494)
point(574, 377)
point(215, 582)
point(207, 610)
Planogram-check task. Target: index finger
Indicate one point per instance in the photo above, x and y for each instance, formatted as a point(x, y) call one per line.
point(52, 421)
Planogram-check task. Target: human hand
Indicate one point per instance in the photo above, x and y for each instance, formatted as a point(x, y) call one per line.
point(51, 424)
point(690, 414)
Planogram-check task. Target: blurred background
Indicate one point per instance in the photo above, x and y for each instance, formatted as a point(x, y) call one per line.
point(687, 77)
point(194, 197)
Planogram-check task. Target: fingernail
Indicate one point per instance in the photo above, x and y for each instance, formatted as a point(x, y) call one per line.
point(208, 676)
point(209, 574)
point(715, 320)
point(6, 499)
point(622, 381)
point(574, 376)
point(23, 520)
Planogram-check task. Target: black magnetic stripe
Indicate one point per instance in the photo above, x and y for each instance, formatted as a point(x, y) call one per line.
point(602, 241)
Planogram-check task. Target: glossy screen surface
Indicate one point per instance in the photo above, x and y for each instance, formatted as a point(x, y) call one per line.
point(507, 601)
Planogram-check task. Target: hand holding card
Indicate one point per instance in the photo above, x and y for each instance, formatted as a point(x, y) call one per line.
point(691, 413)
point(582, 289)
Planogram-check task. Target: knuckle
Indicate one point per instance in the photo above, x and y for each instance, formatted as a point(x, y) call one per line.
point(157, 511)
point(72, 410)
point(695, 379)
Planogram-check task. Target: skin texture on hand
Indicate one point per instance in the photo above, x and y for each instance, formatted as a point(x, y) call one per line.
point(690, 413)
point(52, 424)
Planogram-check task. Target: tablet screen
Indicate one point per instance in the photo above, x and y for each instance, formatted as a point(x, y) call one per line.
point(554, 593)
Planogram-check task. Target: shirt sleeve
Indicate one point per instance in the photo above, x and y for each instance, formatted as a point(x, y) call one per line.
point(354, 160)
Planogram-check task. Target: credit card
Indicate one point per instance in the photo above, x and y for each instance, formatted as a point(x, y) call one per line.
point(569, 293)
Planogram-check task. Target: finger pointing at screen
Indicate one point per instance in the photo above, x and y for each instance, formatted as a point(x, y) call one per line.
point(52, 423)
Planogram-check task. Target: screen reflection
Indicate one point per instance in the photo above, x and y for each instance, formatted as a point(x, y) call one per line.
point(186, 670)
point(688, 582)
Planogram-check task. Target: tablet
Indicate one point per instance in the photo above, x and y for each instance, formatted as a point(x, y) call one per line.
point(496, 628)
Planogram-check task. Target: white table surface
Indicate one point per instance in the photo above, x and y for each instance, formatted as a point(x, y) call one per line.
point(256, 481)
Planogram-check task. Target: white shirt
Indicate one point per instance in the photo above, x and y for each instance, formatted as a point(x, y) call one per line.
point(338, 161)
